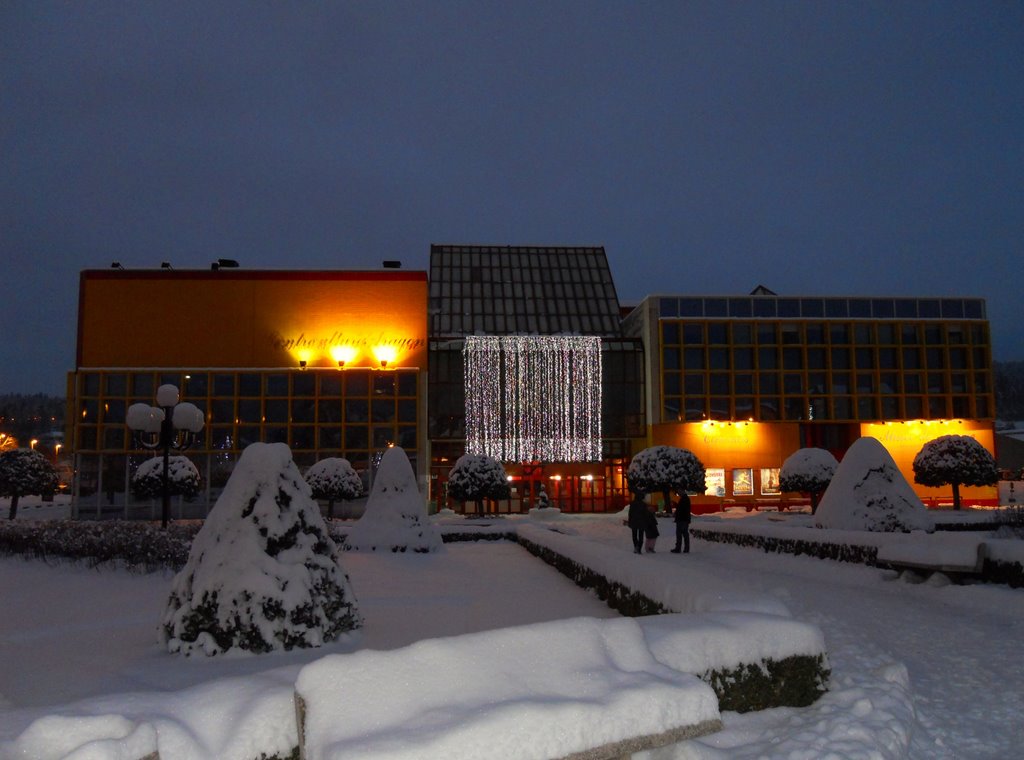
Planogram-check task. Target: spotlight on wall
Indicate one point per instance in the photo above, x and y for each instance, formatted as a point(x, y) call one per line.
point(302, 363)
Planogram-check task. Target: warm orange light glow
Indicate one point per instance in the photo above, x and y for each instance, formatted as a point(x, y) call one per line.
point(385, 354)
point(344, 354)
point(555, 477)
point(32, 443)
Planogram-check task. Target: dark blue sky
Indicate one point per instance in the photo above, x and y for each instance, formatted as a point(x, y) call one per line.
point(814, 147)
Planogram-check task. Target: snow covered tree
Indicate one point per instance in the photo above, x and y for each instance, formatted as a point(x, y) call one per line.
point(808, 471)
point(333, 479)
point(665, 469)
point(395, 519)
point(476, 477)
point(262, 573)
point(955, 460)
point(25, 472)
point(182, 478)
point(868, 492)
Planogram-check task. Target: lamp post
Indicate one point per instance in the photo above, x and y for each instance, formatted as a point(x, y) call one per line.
point(168, 425)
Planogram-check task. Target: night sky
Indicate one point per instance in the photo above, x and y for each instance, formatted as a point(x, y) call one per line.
point(833, 148)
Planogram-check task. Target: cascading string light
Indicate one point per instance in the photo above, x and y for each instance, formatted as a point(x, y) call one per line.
point(533, 398)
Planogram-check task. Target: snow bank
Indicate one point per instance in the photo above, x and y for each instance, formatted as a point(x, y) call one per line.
point(395, 519)
point(532, 692)
point(868, 492)
point(722, 640)
point(946, 551)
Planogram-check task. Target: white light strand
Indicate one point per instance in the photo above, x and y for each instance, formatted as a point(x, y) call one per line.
point(533, 398)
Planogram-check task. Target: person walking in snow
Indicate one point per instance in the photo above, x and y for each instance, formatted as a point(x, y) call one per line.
point(637, 520)
point(682, 518)
point(651, 532)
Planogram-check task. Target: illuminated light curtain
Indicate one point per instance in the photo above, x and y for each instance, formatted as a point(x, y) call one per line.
point(533, 398)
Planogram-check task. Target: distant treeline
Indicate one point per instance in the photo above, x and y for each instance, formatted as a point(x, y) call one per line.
point(28, 416)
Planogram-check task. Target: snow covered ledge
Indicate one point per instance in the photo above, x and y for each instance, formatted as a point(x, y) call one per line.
point(583, 688)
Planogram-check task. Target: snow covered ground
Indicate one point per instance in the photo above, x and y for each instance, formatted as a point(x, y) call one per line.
point(919, 671)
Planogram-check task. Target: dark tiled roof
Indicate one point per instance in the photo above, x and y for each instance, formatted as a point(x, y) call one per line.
point(503, 290)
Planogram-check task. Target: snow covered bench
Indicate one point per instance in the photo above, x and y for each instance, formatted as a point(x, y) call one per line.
point(580, 688)
point(949, 553)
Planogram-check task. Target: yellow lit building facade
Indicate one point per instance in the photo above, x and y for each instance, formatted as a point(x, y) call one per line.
point(745, 381)
point(333, 363)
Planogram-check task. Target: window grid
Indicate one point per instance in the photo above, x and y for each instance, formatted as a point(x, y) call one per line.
point(834, 371)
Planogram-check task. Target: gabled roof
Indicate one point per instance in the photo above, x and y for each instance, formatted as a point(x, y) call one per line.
point(506, 290)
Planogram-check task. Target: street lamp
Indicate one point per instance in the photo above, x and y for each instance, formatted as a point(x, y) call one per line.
point(168, 425)
point(32, 443)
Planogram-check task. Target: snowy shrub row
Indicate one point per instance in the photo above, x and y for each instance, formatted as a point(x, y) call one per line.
point(794, 681)
point(624, 600)
point(841, 552)
point(136, 546)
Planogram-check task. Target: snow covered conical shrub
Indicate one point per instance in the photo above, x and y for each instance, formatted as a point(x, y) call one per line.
point(395, 519)
point(868, 492)
point(262, 573)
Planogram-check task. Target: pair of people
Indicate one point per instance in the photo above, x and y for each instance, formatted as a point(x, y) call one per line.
point(643, 524)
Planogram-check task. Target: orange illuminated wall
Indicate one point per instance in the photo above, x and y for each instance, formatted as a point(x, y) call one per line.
point(239, 318)
point(731, 444)
point(904, 440)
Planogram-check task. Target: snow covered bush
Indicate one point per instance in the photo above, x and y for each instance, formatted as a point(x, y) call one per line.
point(333, 479)
point(182, 478)
point(868, 492)
point(262, 573)
point(955, 460)
point(395, 519)
point(25, 472)
point(476, 477)
point(808, 471)
point(665, 469)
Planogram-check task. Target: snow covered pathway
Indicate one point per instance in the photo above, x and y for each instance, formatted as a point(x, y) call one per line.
point(960, 646)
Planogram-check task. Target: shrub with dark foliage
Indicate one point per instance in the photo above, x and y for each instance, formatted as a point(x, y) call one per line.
point(955, 460)
point(665, 469)
point(332, 479)
point(182, 478)
point(25, 472)
point(476, 477)
point(262, 572)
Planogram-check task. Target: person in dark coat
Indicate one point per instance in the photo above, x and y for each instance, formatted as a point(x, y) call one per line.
point(637, 520)
point(682, 517)
point(651, 531)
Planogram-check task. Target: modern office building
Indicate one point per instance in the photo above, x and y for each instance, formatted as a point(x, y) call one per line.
point(520, 353)
point(744, 381)
point(333, 363)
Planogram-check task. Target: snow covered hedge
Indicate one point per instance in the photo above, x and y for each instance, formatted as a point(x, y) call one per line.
point(135, 546)
point(334, 479)
point(262, 573)
point(808, 470)
point(868, 492)
point(955, 460)
point(395, 519)
point(25, 472)
point(182, 478)
point(665, 469)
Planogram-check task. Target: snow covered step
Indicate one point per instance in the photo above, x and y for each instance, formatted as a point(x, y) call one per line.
point(938, 552)
point(578, 688)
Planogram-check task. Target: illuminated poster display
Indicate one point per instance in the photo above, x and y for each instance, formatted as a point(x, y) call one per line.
point(770, 481)
point(743, 482)
point(714, 482)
